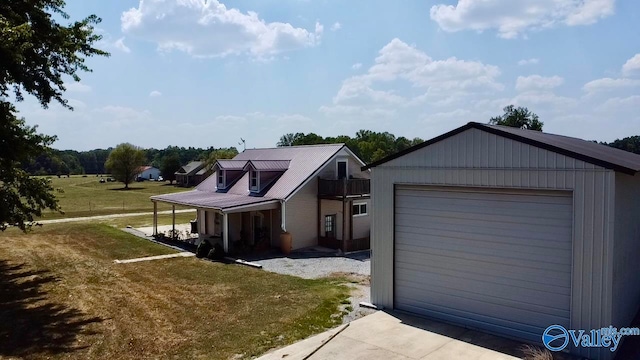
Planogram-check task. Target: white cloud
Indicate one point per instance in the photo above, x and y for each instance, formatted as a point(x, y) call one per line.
point(617, 103)
point(537, 82)
point(210, 29)
point(609, 84)
point(398, 61)
point(531, 61)
point(78, 87)
point(119, 44)
point(336, 26)
point(155, 93)
point(632, 66)
point(514, 18)
point(356, 66)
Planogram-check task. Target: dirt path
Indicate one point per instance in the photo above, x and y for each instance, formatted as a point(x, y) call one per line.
point(104, 217)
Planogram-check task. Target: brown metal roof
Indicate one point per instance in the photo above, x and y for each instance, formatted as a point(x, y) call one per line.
point(303, 163)
point(269, 165)
point(211, 200)
point(230, 164)
point(588, 151)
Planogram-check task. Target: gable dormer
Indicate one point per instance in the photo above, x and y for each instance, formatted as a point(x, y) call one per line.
point(264, 173)
point(228, 172)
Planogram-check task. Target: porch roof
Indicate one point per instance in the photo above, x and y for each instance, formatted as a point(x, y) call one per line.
point(212, 200)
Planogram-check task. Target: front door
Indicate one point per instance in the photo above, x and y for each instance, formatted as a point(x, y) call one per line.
point(330, 226)
point(257, 228)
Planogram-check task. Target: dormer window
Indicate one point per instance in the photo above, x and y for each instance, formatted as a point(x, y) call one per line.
point(254, 180)
point(221, 179)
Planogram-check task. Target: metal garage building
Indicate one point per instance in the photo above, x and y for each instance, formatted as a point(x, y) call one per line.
point(509, 231)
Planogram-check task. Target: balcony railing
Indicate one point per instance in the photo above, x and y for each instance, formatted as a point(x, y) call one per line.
point(344, 187)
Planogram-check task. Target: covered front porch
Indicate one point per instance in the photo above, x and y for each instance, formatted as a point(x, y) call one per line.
point(240, 225)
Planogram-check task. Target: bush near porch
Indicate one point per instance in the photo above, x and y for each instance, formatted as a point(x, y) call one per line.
point(63, 297)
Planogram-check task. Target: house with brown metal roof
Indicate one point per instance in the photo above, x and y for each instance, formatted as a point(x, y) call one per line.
point(289, 197)
point(187, 175)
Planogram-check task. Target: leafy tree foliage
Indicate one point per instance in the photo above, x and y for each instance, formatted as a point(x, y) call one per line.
point(36, 53)
point(124, 163)
point(228, 153)
point(170, 164)
point(631, 144)
point(368, 145)
point(518, 117)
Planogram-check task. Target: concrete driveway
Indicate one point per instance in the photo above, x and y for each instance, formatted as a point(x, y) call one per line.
point(388, 335)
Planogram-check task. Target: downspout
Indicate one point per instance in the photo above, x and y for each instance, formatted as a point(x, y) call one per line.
point(283, 215)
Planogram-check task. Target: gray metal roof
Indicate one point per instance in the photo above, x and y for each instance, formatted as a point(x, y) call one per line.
point(588, 151)
point(210, 200)
point(230, 164)
point(303, 162)
point(190, 168)
point(269, 165)
point(202, 171)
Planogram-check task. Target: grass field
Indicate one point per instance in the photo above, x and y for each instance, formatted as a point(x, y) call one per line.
point(86, 196)
point(62, 297)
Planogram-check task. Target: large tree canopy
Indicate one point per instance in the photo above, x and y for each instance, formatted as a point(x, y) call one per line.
point(125, 162)
point(36, 54)
point(518, 117)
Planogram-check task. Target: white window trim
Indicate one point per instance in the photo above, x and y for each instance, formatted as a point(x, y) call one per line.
point(223, 184)
point(346, 161)
point(359, 204)
point(257, 189)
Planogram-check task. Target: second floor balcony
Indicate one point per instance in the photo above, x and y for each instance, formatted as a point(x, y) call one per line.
point(344, 187)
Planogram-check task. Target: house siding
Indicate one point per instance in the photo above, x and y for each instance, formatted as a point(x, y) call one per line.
point(362, 224)
point(331, 207)
point(626, 249)
point(475, 158)
point(302, 216)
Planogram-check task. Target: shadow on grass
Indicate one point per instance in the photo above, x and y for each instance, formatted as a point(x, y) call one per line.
point(30, 324)
point(127, 189)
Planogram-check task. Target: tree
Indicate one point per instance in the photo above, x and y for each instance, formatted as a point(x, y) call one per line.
point(519, 117)
point(36, 53)
point(228, 153)
point(170, 164)
point(124, 163)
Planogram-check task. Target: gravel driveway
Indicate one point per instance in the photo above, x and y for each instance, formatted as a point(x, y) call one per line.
point(313, 266)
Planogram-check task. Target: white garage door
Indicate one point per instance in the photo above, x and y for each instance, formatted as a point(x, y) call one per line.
point(496, 260)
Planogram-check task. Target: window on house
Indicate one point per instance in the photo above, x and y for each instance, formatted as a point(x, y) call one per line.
point(221, 179)
point(342, 169)
point(253, 180)
point(330, 226)
point(359, 209)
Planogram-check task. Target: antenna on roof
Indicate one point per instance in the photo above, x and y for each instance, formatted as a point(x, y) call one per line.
point(243, 143)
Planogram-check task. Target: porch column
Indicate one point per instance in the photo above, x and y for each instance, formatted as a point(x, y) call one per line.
point(225, 232)
point(155, 218)
point(173, 221)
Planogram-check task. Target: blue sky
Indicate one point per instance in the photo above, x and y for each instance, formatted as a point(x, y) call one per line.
point(206, 73)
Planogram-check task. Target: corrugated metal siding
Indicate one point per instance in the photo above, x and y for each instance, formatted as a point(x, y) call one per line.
point(302, 216)
point(478, 159)
point(626, 250)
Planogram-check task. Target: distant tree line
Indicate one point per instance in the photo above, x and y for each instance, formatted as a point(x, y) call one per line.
point(367, 145)
point(70, 162)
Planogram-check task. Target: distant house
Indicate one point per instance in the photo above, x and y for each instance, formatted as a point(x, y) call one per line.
point(148, 173)
point(186, 175)
point(317, 195)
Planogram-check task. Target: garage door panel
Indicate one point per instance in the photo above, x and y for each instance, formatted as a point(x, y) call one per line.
point(452, 231)
point(499, 260)
point(475, 287)
point(494, 274)
point(456, 256)
point(447, 212)
point(533, 315)
point(453, 241)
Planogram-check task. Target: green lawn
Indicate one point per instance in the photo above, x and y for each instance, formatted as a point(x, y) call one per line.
point(63, 297)
point(86, 196)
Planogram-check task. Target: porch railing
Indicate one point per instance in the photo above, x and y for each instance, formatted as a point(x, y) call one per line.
point(344, 187)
